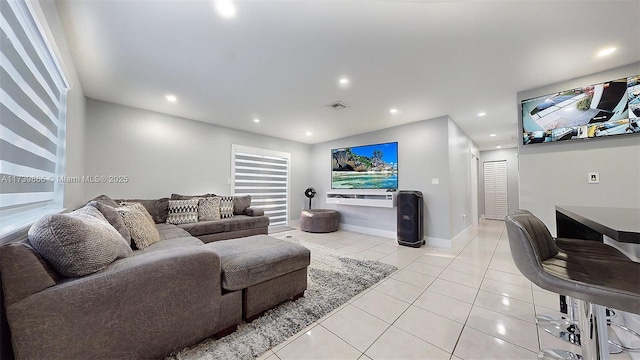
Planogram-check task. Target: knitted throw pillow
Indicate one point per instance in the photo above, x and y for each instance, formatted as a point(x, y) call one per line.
point(183, 211)
point(78, 243)
point(141, 227)
point(209, 209)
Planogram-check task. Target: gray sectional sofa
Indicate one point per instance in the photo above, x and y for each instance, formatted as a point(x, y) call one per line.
point(157, 300)
point(246, 221)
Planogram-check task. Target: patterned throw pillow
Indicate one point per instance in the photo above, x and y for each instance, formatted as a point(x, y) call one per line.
point(226, 207)
point(141, 227)
point(209, 209)
point(183, 211)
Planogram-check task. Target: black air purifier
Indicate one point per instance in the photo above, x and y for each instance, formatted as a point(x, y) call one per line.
point(410, 218)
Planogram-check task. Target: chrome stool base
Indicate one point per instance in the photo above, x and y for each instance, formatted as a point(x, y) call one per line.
point(558, 355)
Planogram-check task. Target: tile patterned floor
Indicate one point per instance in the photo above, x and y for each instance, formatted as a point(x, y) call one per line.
point(468, 302)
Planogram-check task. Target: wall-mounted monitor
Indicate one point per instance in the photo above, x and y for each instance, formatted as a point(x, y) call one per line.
point(609, 108)
point(365, 167)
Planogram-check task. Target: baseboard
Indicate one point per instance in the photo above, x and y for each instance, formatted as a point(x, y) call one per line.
point(438, 242)
point(369, 231)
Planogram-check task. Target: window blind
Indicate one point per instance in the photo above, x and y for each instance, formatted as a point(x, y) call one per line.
point(32, 120)
point(264, 175)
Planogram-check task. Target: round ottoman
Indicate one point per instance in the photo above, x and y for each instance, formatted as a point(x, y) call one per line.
point(319, 220)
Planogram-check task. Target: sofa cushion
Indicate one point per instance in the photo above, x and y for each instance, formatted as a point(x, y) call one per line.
point(209, 208)
point(158, 208)
point(143, 231)
point(204, 227)
point(104, 199)
point(244, 222)
point(251, 260)
point(240, 203)
point(24, 272)
point(226, 207)
point(79, 243)
point(187, 197)
point(114, 218)
point(175, 243)
point(183, 211)
point(170, 231)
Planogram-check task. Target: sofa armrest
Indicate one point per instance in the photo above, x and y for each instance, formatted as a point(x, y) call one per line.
point(253, 212)
point(141, 306)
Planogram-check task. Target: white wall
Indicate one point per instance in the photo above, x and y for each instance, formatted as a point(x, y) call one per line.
point(556, 173)
point(423, 154)
point(460, 149)
point(511, 157)
point(163, 154)
point(47, 14)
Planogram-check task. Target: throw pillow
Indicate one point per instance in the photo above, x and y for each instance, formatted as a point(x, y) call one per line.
point(183, 211)
point(138, 207)
point(226, 207)
point(78, 243)
point(142, 229)
point(209, 209)
point(240, 203)
point(114, 218)
point(157, 208)
point(187, 197)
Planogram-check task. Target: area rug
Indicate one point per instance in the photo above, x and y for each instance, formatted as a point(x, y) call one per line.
point(333, 279)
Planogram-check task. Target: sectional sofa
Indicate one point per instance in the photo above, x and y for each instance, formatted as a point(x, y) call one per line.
point(149, 302)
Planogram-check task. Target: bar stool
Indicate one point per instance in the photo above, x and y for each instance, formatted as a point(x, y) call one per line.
point(565, 327)
point(593, 282)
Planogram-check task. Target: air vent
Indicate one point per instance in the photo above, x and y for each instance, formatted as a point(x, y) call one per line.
point(338, 105)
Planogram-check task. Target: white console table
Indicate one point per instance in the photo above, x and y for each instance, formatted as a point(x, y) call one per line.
point(371, 198)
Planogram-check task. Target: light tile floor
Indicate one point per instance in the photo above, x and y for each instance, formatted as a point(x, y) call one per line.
point(468, 302)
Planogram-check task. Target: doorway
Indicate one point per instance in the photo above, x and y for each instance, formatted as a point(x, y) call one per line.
point(495, 189)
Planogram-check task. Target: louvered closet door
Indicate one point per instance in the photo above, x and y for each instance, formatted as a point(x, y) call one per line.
point(263, 174)
point(495, 190)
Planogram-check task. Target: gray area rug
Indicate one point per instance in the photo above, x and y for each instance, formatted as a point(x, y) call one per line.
point(333, 279)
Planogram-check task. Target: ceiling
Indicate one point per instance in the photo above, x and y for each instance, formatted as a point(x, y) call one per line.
point(280, 61)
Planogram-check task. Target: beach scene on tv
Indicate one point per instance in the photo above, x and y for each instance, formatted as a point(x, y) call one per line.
point(365, 167)
point(593, 111)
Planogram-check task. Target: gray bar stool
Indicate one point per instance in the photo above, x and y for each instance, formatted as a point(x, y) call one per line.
point(565, 327)
point(594, 282)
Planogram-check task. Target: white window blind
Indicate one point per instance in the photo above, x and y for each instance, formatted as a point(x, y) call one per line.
point(33, 94)
point(263, 174)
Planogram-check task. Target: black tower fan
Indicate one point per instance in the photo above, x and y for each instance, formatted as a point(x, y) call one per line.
point(410, 218)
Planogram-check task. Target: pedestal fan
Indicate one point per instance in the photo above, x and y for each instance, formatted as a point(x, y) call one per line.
point(310, 193)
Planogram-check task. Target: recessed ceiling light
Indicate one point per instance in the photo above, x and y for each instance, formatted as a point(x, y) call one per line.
point(492, 135)
point(498, 147)
point(393, 111)
point(226, 9)
point(256, 120)
point(607, 51)
point(482, 114)
point(343, 81)
point(309, 133)
point(171, 98)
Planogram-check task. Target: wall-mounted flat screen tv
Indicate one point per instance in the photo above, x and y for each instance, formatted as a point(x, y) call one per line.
point(609, 108)
point(365, 167)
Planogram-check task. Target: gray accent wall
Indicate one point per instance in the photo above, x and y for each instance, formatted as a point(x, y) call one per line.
point(511, 157)
point(426, 150)
point(556, 173)
point(163, 154)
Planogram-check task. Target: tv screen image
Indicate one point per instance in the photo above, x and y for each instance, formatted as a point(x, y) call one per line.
point(365, 167)
point(609, 108)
